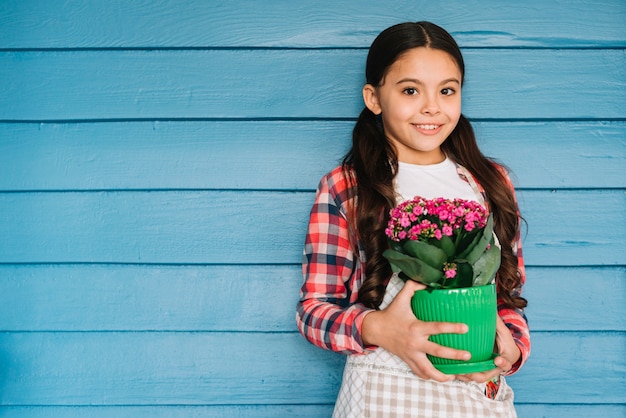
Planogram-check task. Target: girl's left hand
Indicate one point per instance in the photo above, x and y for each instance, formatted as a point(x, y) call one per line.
point(508, 352)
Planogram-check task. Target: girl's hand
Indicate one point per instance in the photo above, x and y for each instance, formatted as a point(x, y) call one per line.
point(398, 331)
point(508, 352)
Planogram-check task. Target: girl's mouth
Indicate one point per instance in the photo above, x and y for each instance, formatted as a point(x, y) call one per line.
point(428, 128)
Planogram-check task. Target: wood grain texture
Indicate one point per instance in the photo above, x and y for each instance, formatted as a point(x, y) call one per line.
point(284, 155)
point(200, 84)
point(263, 411)
point(208, 227)
point(165, 369)
point(282, 23)
point(252, 368)
point(179, 411)
point(55, 298)
point(157, 165)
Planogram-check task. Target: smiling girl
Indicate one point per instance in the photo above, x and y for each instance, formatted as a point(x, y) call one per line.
point(410, 139)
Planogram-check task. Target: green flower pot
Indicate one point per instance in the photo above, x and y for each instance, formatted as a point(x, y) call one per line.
point(474, 306)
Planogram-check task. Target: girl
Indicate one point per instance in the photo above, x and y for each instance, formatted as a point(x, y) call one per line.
point(410, 139)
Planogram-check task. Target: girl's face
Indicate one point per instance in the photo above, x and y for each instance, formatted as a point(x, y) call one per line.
point(419, 100)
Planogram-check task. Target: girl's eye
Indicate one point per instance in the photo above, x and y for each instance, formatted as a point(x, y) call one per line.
point(410, 91)
point(447, 92)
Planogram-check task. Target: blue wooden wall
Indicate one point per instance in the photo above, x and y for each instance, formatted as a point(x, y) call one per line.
point(158, 160)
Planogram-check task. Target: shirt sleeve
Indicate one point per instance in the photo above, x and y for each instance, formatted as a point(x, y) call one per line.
point(327, 315)
point(515, 319)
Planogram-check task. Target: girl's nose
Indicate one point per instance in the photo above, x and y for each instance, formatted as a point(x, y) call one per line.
point(430, 106)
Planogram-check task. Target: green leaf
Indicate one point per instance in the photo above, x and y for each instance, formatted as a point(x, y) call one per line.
point(447, 245)
point(487, 265)
point(395, 245)
point(427, 253)
point(414, 268)
point(473, 253)
point(463, 278)
point(466, 243)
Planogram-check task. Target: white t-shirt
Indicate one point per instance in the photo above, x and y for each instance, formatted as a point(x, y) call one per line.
point(430, 181)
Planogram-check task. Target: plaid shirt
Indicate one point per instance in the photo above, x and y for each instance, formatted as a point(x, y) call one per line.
point(328, 314)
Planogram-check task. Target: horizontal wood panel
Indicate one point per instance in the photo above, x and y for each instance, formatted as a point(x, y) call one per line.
point(85, 24)
point(225, 227)
point(572, 368)
point(165, 369)
point(564, 228)
point(95, 85)
point(179, 411)
point(592, 292)
point(571, 411)
point(225, 298)
point(277, 155)
point(263, 411)
point(250, 368)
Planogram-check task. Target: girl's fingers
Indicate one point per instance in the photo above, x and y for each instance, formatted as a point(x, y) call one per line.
point(434, 328)
point(423, 368)
point(503, 364)
point(446, 352)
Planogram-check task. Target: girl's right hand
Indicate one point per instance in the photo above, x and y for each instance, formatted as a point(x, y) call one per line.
point(397, 330)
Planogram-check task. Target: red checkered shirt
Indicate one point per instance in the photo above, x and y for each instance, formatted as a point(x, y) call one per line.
point(328, 314)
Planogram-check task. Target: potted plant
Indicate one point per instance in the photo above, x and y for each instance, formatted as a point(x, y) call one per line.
point(449, 246)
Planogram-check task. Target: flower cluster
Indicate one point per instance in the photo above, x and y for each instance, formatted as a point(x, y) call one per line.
point(443, 243)
point(424, 219)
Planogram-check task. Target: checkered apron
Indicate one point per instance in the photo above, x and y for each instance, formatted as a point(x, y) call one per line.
point(380, 385)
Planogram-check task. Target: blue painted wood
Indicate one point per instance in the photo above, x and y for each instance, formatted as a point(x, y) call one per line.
point(263, 411)
point(165, 369)
point(312, 84)
point(590, 292)
point(179, 411)
point(560, 230)
point(571, 411)
point(327, 23)
point(222, 298)
point(579, 364)
point(130, 212)
point(221, 155)
point(208, 227)
point(256, 368)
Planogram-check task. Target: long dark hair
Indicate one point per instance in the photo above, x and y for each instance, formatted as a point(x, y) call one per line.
point(372, 163)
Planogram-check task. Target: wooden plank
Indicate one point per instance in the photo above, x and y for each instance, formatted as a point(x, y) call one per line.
point(165, 369)
point(147, 227)
point(97, 85)
point(592, 291)
point(251, 368)
point(558, 155)
point(223, 154)
point(143, 298)
point(230, 227)
point(574, 237)
point(262, 411)
point(571, 411)
point(563, 368)
point(224, 298)
point(179, 411)
point(115, 24)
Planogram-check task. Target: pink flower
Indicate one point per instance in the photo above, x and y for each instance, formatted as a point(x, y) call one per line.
point(427, 219)
point(449, 270)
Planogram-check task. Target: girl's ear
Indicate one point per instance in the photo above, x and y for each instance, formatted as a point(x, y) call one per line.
point(371, 99)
